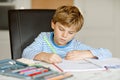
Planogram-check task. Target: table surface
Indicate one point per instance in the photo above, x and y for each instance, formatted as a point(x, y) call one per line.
point(110, 74)
point(86, 75)
point(97, 75)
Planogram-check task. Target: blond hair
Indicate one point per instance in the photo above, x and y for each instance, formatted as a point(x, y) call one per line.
point(69, 16)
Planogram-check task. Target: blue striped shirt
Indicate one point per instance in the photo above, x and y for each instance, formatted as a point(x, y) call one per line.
point(40, 45)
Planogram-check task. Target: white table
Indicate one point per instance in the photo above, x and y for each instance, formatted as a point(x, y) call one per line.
point(97, 75)
point(111, 74)
point(89, 75)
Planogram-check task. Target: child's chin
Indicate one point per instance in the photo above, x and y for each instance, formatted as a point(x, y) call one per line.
point(62, 44)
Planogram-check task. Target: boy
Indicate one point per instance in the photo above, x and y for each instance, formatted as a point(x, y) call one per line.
point(51, 47)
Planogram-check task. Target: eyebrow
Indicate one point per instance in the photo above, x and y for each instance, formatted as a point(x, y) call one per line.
point(64, 28)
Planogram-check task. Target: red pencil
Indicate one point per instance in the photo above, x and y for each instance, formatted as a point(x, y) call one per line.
point(57, 67)
point(38, 72)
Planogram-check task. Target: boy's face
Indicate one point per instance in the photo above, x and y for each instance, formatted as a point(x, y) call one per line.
point(63, 34)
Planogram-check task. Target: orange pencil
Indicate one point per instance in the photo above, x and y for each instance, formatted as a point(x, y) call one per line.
point(61, 76)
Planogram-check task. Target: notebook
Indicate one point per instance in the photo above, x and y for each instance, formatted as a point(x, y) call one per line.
point(77, 66)
point(81, 65)
point(89, 65)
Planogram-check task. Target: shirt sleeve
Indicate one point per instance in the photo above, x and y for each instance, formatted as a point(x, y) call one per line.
point(34, 48)
point(100, 53)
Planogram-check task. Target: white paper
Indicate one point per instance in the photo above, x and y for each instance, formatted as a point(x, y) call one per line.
point(82, 65)
point(110, 62)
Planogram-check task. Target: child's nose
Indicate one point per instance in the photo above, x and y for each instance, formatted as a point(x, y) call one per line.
point(65, 34)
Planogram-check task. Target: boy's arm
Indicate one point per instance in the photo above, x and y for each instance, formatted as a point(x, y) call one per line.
point(48, 57)
point(79, 54)
point(34, 48)
point(100, 53)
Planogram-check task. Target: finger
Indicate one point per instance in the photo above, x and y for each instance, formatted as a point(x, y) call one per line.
point(72, 58)
point(69, 57)
point(55, 59)
point(58, 59)
point(70, 54)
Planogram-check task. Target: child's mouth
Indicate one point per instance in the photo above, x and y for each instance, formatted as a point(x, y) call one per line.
point(63, 40)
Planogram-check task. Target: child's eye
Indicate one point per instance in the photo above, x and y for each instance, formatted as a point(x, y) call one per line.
point(61, 29)
point(70, 32)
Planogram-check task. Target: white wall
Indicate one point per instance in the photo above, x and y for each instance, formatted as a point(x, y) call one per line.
point(23, 4)
point(4, 45)
point(102, 24)
point(5, 51)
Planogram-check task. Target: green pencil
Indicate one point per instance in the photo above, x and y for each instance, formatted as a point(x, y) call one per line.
point(51, 47)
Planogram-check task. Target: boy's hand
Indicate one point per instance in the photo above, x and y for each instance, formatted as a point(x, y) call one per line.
point(52, 58)
point(49, 58)
point(79, 54)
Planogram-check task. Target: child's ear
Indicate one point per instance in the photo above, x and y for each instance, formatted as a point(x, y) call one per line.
point(52, 25)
